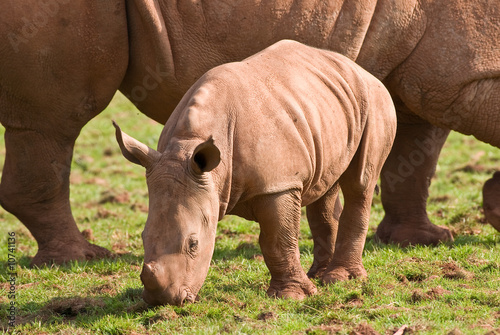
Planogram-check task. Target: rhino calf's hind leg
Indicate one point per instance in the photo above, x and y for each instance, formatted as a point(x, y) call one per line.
point(353, 226)
point(323, 217)
point(358, 185)
point(279, 219)
point(35, 188)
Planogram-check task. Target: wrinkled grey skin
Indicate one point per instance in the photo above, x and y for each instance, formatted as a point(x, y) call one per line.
point(260, 138)
point(61, 62)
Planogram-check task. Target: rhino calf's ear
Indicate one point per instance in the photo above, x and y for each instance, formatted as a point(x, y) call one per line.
point(205, 157)
point(135, 151)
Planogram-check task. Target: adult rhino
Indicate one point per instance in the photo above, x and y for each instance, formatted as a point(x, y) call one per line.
point(61, 62)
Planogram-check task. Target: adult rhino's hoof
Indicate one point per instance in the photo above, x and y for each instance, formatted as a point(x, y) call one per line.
point(316, 271)
point(405, 234)
point(340, 273)
point(297, 291)
point(67, 252)
point(491, 200)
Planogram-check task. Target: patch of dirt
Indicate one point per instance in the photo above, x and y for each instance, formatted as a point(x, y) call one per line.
point(20, 287)
point(246, 246)
point(455, 331)
point(97, 181)
point(413, 329)
point(437, 292)
point(6, 286)
point(400, 331)
point(234, 302)
point(473, 259)
point(402, 278)
point(451, 270)
point(75, 178)
point(103, 213)
point(363, 329)
point(143, 208)
point(433, 293)
point(108, 197)
point(465, 229)
point(120, 248)
point(88, 234)
point(266, 316)
point(228, 232)
point(108, 152)
point(329, 329)
point(249, 238)
point(71, 307)
point(353, 302)
point(104, 289)
point(442, 198)
point(238, 318)
point(473, 168)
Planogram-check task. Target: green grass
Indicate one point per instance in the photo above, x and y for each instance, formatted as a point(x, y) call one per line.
point(432, 290)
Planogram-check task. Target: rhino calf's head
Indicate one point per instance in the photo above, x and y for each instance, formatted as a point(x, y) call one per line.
point(179, 235)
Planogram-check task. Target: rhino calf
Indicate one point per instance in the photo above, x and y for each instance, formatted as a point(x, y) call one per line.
point(260, 138)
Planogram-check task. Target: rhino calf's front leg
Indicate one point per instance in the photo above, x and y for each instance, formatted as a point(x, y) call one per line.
point(279, 219)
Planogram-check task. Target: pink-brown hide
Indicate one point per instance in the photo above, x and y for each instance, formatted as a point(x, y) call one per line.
point(61, 61)
point(260, 138)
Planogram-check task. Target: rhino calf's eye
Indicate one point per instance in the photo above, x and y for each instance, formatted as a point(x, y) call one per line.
point(193, 245)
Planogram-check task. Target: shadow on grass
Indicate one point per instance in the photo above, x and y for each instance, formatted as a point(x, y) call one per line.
point(488, 241)
point(79, 311)
point(91, 311)
point(128, 258)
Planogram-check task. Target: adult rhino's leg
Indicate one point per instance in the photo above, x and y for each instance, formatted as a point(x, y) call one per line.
point(62, 67)
point(35, 188)
point(491, 200)
point(405, 181)
point(476, 112)
point(323, 217)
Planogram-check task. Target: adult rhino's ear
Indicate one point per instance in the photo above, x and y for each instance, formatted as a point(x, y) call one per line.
point(205, 157)
point(135, 151)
